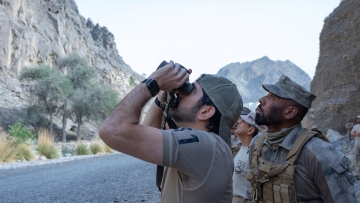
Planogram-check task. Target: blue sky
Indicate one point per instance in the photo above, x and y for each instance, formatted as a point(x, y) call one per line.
point(206, 35)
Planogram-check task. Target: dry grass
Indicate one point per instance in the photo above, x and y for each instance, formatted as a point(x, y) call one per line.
point(6, 148)
point(97, 148)
point(46, 146)
point(11, 150)
point(107, 149)
point(81, 149)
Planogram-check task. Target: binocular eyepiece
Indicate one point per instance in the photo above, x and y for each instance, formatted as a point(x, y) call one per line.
point(187, 87)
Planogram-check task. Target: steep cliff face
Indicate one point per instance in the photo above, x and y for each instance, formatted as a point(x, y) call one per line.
point(36, 31)
point(43, 31)
point(337, 78)
point(249, 76)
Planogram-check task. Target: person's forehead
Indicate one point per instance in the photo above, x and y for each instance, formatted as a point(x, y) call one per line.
point(198, 89)
point(277, 97)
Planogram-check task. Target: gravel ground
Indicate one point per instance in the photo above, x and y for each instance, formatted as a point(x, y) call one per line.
point(132, 184)
point(89, 179)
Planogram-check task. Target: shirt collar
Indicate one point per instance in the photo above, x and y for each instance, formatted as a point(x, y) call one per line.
point(292, 136)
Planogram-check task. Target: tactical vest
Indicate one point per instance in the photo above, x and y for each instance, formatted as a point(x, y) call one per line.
point(274, 183)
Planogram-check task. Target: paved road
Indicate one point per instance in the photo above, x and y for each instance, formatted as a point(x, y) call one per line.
point(110, 178)
point(104, 179)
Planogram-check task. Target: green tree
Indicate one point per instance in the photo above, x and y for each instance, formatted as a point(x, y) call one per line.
point(77, 70)
point(132, 81)
point(81, 75)
point(103, 101)
point(93, 103)
point(51, 88)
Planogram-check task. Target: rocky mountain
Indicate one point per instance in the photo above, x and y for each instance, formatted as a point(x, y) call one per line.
point(33, 32)
point(43, 31)
point(337, 78)
point(249, 76)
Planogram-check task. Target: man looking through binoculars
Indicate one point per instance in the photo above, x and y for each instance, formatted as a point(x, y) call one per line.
point(196, 155)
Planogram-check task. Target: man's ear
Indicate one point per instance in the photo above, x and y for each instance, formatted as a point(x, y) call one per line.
point(251, 130)
point(206, 112)
point(290, 112)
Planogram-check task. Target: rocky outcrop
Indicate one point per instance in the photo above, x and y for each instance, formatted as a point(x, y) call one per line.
point(337, 78)
point(249, 76)
point(38, 31)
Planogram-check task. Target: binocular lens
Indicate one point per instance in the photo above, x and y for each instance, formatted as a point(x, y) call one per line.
point(186, 88)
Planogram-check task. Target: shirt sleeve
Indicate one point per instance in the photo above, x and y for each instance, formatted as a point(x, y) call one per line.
point(184, 147)
point(330, 173)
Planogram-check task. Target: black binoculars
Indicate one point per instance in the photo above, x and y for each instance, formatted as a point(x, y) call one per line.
point(187, 87)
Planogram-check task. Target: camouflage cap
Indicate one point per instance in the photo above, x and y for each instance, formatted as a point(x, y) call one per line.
point(288, 89)
point(226, 98)
point(245, 111)
point(250, 118)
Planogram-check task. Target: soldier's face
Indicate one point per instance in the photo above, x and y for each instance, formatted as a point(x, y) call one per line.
point(188, 106)
point(270, 110)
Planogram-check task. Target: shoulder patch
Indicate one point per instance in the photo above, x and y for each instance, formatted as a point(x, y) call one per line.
point(189, 140)
point(342, 165)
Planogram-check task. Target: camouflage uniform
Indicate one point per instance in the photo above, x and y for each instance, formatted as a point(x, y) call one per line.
point(316, 173)
point(319, 177)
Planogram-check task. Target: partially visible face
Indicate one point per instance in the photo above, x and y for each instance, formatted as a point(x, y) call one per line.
point(242, 127)
point(233, 128)
point(270, 109)
point(358, 120)
point(188, 105)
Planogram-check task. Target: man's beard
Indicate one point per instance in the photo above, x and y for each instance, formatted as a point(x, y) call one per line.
point(185, 114)
point(273, 118)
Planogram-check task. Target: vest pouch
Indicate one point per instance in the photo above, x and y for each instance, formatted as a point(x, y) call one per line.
point(280, 188)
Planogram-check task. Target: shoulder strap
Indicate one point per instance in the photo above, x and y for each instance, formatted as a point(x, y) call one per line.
point(299, 144)
point(292, 155)
point(164, 104)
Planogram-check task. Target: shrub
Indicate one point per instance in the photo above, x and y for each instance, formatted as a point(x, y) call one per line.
point(6, 148)
point(81, 149)
point(21, 133)
point(23, 151)
point(11, 150)
point(46, 146)
point(96, 148)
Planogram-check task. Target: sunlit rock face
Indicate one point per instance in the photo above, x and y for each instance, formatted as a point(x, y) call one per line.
point(337, 78)
point(33, 32)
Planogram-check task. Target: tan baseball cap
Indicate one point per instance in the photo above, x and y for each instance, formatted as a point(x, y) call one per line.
point(226, 97)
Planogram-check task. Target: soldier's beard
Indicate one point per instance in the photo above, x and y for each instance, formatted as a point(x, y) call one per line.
point(185, 114)
point(273, 118)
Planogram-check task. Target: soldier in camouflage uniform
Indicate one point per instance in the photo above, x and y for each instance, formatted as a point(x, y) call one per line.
point(290, 163)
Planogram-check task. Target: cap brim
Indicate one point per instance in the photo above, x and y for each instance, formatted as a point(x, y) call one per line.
point(275, 90)
point(245, 111)
point(225, 132)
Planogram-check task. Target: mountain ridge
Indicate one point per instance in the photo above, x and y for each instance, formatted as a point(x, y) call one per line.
point(249, 76)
